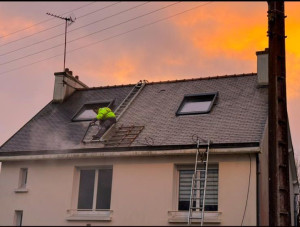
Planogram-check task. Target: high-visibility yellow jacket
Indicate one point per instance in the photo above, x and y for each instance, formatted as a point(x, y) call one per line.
point(105, 113)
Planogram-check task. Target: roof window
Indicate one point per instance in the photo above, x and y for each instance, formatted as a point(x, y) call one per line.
point(197, 104)
point(87, 113)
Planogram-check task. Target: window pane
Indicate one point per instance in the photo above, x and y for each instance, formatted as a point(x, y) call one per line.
point(197, 103)
point(19, 217)
point(86, 115)
point(195, 106)
point(86, 189)
point(185, 184)
point(104, 189)
point(23, 177)
point(87, 111)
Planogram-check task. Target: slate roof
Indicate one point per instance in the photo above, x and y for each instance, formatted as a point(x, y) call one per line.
point(238, 116)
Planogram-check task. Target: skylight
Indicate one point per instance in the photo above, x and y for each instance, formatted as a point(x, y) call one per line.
point(87, 113)
point(197, 104)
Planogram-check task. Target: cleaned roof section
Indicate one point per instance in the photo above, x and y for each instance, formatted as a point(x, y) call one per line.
point(238, 116)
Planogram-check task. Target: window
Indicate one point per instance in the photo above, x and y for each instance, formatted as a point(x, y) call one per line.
point(23, 177)
point(94, 189)
point(197, 104)
point(18, 217)
point(185, 183)
point(87, 113)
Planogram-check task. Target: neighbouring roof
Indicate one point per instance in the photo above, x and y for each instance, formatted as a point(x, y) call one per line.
point(238, 116)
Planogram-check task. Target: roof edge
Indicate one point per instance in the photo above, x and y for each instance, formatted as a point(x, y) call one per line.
point(133, 148)
point(130, 154)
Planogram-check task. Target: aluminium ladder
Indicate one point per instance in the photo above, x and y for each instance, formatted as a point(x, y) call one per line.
point(129, 98)
point(198, 188)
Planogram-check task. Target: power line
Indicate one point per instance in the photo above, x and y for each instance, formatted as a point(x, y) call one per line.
point(41, 22)
point(29, 55)
point(52, 27)
point(74, 29)
point(111, 37)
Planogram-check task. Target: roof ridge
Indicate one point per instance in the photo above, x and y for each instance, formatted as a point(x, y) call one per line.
point(204, 78)
point(172, 81)
point(107, 86)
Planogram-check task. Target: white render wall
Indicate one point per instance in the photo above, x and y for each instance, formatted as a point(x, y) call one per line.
point(144, 189)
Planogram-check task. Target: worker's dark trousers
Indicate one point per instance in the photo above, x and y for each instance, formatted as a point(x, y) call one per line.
point(104, 125)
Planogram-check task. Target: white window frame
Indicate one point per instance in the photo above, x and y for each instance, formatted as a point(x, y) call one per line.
point(23, 179)
point(93, 214)
point(90, 106)
point(209, 98)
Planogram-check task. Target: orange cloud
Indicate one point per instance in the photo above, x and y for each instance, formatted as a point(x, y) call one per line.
point(121, 70)
point(225, 30)
point(231, 31)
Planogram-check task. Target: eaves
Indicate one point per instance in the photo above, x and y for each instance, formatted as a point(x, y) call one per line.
point(236, 148)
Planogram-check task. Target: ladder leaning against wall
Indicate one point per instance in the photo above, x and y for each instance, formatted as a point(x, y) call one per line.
point(198, 188)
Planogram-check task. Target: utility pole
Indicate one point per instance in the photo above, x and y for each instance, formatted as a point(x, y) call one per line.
point(279, 191)
point(67, 19)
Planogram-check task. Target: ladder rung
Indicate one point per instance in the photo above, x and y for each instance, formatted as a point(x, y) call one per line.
point(122, 135)
point(194, 218)
point(196, 198)
point(198, 189)
point(192, 208)
point(198, 180)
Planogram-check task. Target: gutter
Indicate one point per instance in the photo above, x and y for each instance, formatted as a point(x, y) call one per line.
point(135, 153)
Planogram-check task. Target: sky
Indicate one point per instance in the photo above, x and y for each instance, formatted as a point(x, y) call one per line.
point(113, 43)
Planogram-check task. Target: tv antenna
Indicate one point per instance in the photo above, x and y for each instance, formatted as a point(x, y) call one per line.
point(69, 21)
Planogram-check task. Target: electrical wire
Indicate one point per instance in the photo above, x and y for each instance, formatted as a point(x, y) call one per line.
point(50, 27)
point(41, 22)
point(44, 40)
point(111, 37)
point(247, 191)
point(32, 54)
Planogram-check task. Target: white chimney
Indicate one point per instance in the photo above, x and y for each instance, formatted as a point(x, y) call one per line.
point(65, 84)
point(263, 67)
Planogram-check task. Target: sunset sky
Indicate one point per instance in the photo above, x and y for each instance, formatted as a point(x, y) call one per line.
point(112, 43)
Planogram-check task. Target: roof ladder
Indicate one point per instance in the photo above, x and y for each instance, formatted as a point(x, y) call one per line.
point(124, 136)
point(129, 98)
point(198, 188)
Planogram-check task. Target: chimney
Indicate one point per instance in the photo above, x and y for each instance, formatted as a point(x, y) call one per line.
point(263, 67)
point(65, 84)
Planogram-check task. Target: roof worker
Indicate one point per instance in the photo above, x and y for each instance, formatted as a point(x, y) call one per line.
point(106, 118)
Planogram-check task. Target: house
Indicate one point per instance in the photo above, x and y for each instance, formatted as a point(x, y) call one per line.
point(52, 174)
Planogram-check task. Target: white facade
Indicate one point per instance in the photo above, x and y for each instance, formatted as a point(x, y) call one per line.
point(144, 190)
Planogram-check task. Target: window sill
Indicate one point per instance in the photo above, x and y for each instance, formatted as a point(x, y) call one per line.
point(182, 217)
point(21, 190)
point(89, 215)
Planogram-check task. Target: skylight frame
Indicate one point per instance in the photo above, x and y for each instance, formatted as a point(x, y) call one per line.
point(202, 96)
point(102, 103)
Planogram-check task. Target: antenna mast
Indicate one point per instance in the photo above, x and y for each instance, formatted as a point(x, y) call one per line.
point(67, 19)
